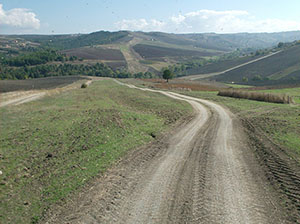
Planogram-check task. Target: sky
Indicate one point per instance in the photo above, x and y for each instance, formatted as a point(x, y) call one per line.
point(172, 16)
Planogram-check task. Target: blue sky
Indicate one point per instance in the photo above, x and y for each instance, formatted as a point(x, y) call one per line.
point(177, 16)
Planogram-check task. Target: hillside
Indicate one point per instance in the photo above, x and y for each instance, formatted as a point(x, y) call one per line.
point(137, 52)
point(75, 40)
point(280, 68)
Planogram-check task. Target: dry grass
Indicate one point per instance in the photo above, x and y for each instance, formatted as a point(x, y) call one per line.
point(259, 96)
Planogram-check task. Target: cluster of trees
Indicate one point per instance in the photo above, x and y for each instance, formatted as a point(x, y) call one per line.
point(36, 58)
point(63, 42)
point(66, 69)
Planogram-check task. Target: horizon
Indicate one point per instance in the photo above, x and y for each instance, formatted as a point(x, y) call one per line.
point(58, 34)
point(172, 16)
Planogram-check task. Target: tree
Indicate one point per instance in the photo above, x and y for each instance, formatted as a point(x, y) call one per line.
point(245, 79)
point(257, 78)
point(168, 74)
point(280, 45)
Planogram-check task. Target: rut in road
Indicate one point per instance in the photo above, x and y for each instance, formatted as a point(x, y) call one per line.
point(203, 173)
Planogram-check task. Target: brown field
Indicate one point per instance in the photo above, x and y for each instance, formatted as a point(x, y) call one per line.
point(148, 51)
point(36, 84)
point(91, 53)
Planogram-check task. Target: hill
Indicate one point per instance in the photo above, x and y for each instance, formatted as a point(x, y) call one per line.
point(137, 52)
point(75, 40)
point(281, 68)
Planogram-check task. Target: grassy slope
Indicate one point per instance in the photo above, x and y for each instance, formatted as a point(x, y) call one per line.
point(281, 122)
point(52, 147)
point(277, 68)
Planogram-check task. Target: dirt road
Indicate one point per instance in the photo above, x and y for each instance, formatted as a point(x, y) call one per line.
point(201, 172)
point(20, 97)
point(204, 76)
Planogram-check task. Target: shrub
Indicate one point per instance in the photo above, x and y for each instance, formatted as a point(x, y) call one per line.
point(259, 96)
point(84, 85)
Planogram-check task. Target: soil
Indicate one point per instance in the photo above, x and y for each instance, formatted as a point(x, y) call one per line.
point(203, 171)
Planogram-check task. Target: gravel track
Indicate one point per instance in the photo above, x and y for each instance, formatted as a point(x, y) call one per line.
point(203, 171)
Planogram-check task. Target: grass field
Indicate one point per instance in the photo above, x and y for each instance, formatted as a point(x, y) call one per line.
point(52, 147)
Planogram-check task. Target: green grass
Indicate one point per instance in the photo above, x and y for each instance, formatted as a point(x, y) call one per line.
point(147, 62)
point(281, 122)
point(124, 47)
point(50, 148)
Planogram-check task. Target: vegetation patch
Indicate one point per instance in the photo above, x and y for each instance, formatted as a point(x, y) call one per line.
point(259, 96)
point(51, 147)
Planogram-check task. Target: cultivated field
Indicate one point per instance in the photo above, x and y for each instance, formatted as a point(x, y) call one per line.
point(36, 84)
point(95, 53)
point(281, 68)
point(150, 51)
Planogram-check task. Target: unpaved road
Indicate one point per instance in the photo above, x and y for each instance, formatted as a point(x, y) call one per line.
point(201, 172)
point(204, 76)
point(20, 97)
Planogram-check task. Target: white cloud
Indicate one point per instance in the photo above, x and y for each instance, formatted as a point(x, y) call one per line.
point(233, 21)
point(19, 18)
point(140, 24)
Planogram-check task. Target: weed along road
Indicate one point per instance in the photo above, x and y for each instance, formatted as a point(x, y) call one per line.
point(201, 172)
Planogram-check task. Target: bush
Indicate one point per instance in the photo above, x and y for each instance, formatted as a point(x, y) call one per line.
point(259, 96)
point(84, 85)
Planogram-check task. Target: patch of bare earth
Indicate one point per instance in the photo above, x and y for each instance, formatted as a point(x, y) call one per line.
point(203, 171)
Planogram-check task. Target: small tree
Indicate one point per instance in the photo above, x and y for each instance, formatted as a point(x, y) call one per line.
point(168, 74)
point(245, 79)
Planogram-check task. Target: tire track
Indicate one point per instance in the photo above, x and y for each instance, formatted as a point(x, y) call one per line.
point(203, 172)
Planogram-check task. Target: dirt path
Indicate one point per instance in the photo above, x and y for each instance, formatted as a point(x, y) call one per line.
point(132, 58)
point(202, 172)
point(204, 76)
point(20, 97)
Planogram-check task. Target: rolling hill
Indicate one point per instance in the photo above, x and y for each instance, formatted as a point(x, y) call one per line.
point(281, 68)
point(141, 52)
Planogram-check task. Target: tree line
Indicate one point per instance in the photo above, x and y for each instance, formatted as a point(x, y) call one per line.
point(36, 58)
point(65, 69)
